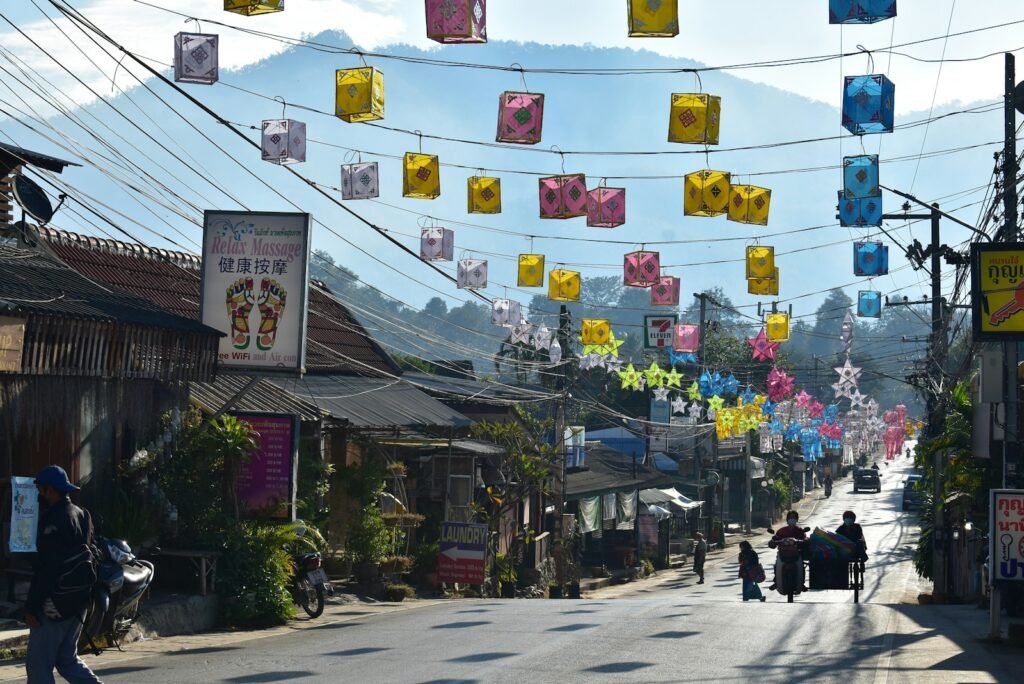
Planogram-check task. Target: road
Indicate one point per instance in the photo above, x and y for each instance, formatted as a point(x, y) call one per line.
point(666, 630)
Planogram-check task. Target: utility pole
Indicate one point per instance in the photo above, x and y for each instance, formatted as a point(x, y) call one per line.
point(702, 298)
point(560, 446)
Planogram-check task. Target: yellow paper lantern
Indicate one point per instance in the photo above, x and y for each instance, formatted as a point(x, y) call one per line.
point(484, 195)
point(253, 7)
point(760, 261)
point(694, 118)
point(706, 193)
point(564, 286)
point(595, 331)
point(653, 18)
point(531, 270)
point(359, 94)
point(777, 327)
point(764, 286)
point(750, 204)
point(422, 177)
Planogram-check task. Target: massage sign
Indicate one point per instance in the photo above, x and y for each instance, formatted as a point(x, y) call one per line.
point(254, 288)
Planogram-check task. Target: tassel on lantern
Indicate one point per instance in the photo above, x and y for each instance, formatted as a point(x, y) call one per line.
point(195, 58)
point(520, 118)
point(563, 197)
point(359, 94)
point(457, 21)
point(422, 177)
point(283, 141)
point(563, 285)
point(531, 270)
point(653, 18)
point(694, 118)
point(706, 193)
point(750, 204)
point(360, 181)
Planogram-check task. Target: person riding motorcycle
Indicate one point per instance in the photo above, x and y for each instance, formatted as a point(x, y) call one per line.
point(788, 550)
point(852, 531)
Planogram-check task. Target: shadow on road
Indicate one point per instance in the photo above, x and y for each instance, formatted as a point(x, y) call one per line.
point(205, 649)
point(481, 657)
point(282, 676)
point(572, 628)
point(462, 625)
point(613, 668)
point(358, 651)
point(673, 635)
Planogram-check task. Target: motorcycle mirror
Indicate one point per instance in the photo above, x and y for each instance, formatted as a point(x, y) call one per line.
point(807, 529)
point(770, 531)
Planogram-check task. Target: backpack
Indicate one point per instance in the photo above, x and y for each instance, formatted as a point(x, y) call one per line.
point(76, 577)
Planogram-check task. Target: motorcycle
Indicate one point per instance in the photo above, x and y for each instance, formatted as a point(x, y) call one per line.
point(828, 490)
point(309, 583)
point(789, 565)
point(121, 582)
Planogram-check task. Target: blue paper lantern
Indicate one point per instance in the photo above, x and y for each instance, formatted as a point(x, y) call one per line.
point(869, 304)
point(860, 11)
point(860, 212)
point(730, 385)
point(870, 259)
point(860, 176)
point(675, 357)
point(869, 103)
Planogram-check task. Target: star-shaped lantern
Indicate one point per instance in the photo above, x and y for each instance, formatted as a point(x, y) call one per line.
point(673, 378)
point(815, 408)
point(521, 333)
point(856, 398)
point(609, 348)
point(613, 364)
point(655, 376)
point(541, 338)
point(660, 394)
point(716, 403)
point(761, 348)
point(693, 392)
point(678, 405)
point(630, 378)
point(695, 410)
point(848, 373)
point(675, 357)
point(748, 395)
point(803, 399)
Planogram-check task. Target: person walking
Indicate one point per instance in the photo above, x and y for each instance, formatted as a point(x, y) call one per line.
point(750, 572)
point(700, 554)
point(62, 579)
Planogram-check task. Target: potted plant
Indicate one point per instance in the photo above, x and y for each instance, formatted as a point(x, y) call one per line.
point(368, 543)
point(396, 565)
point(425, 563)
point(554, 591)
point(507, 575)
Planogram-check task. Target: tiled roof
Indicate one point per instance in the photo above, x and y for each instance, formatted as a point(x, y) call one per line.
point(337, 343)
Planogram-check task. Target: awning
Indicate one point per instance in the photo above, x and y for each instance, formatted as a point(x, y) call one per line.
point(263, 396)
point(661, 497)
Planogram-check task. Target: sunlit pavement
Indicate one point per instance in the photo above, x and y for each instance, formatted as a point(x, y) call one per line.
point(666, 630)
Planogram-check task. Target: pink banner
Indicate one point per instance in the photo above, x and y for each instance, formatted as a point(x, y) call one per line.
point(265, 482)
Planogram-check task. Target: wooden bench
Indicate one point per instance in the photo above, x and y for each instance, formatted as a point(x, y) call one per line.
point(205, 563)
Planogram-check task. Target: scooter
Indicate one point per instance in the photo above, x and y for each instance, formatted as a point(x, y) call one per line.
point(789, 565)
point(309, 583)
point(121, 582)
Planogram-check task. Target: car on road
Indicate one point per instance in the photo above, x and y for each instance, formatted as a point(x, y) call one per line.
point(867, 478)
point(911, 494)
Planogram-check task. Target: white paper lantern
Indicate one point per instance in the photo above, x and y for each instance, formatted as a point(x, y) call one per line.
point(195, 58)
point(472, 274)
point(506, 312)
point(437, 244)
point(284, 141)
point(555, 352)
point(360, 181)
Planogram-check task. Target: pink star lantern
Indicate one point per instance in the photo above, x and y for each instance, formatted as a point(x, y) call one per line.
point(815, 408)
point(780, 385)
point(763, 350)
point(803, 399)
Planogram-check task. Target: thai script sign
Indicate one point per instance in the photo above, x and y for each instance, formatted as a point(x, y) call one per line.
point(266, 483)
point(463, 553)
point(255, 288)
point(24, 515)
point(12, 342)
point(1006, 535)
point(997, 282)
point(658, 331)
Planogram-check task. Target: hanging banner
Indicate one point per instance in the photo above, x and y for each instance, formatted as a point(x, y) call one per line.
point(1006, 534)
point(24, 515)
point(997, 284)
point(266, 483)
point(255, 288)
point(658, 331)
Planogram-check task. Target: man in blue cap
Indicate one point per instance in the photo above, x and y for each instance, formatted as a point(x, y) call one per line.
point(63, 574)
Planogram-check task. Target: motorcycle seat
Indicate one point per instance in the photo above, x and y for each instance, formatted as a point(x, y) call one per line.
point(136, 574)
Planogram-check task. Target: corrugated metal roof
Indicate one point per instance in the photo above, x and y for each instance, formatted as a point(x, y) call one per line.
point(263, 396)
point(465, 389)
point(375, 402)
point(337, 342)
point(35, 283)
point(611, 471)
point(12, 155)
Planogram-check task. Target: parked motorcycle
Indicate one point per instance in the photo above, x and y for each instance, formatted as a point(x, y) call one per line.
point(121, 582)
point(309, 583)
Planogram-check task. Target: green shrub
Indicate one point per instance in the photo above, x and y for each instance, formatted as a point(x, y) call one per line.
point(648, 566)
point(369, 537)
point(425, 558)
point(398, 592)
point(254, 575)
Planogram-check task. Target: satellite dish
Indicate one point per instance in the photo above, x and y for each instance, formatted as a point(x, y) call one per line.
point(1018, 97)
point(32, 199)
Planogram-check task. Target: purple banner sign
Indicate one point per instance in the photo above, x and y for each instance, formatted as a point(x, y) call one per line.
point(265, 484)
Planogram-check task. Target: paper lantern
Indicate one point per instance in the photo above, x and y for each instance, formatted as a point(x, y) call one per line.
point(520, 118)
point(606, 207)
point(686, 338)
point(694, 118)
point(860, 11)
point(749, 204)
point(665, 292)
point(422, 177)
point(653, 18)
point(870, 259)
point(860, 212)
point(563, 197)
point(706, 193)
point(359, 94)
point(483, 195)
point(869, 104)
point(869, 304)
point(472, 274)
point(195, 58)
point(253, 7)
point(764, 286)
point(457, 21)
point(531, 270)
point(595, 331)
point(437, 244)
point(860, 176)
point(360, 181)
point(284, 141)
point(564, 286)
point(760, 261)
point(506, 312)
point(777, 327)
point(641, 269)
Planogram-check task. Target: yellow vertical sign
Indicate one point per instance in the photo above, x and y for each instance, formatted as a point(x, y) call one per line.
point(997, 276)
point(12, 342)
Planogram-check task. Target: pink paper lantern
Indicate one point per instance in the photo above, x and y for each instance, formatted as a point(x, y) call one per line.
point(520, 118)
point(641, 269)
point(563, 197)
point(686, 338)
point(665, 292)
point(606, 207)
point(457, 21)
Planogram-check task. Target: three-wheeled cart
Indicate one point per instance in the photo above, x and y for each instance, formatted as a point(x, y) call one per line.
point(840, 574)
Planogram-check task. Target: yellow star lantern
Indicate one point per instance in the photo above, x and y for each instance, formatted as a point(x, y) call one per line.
point(609, 348)
point(693, 392)
point(630, 377)
point(759, 399)
point(673, 378)
point(716, 403)
point(655, 376)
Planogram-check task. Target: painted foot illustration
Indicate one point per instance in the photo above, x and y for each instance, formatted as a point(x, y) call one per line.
point(240, 300)
point(271, 303)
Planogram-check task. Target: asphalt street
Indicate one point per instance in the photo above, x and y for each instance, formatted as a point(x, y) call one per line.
point(666, 630)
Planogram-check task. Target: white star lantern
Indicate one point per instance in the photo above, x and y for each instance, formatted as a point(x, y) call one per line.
point(660, 394)
point(848, 373)
point(521, 333)
point(695, 410)
point(679, 405)
point(541, 337)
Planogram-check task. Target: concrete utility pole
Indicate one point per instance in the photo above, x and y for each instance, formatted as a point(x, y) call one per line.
point(702, 298)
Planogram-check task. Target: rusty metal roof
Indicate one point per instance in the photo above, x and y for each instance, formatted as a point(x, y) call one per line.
point(263, 396)
point(12, 156)
point(337, 342)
